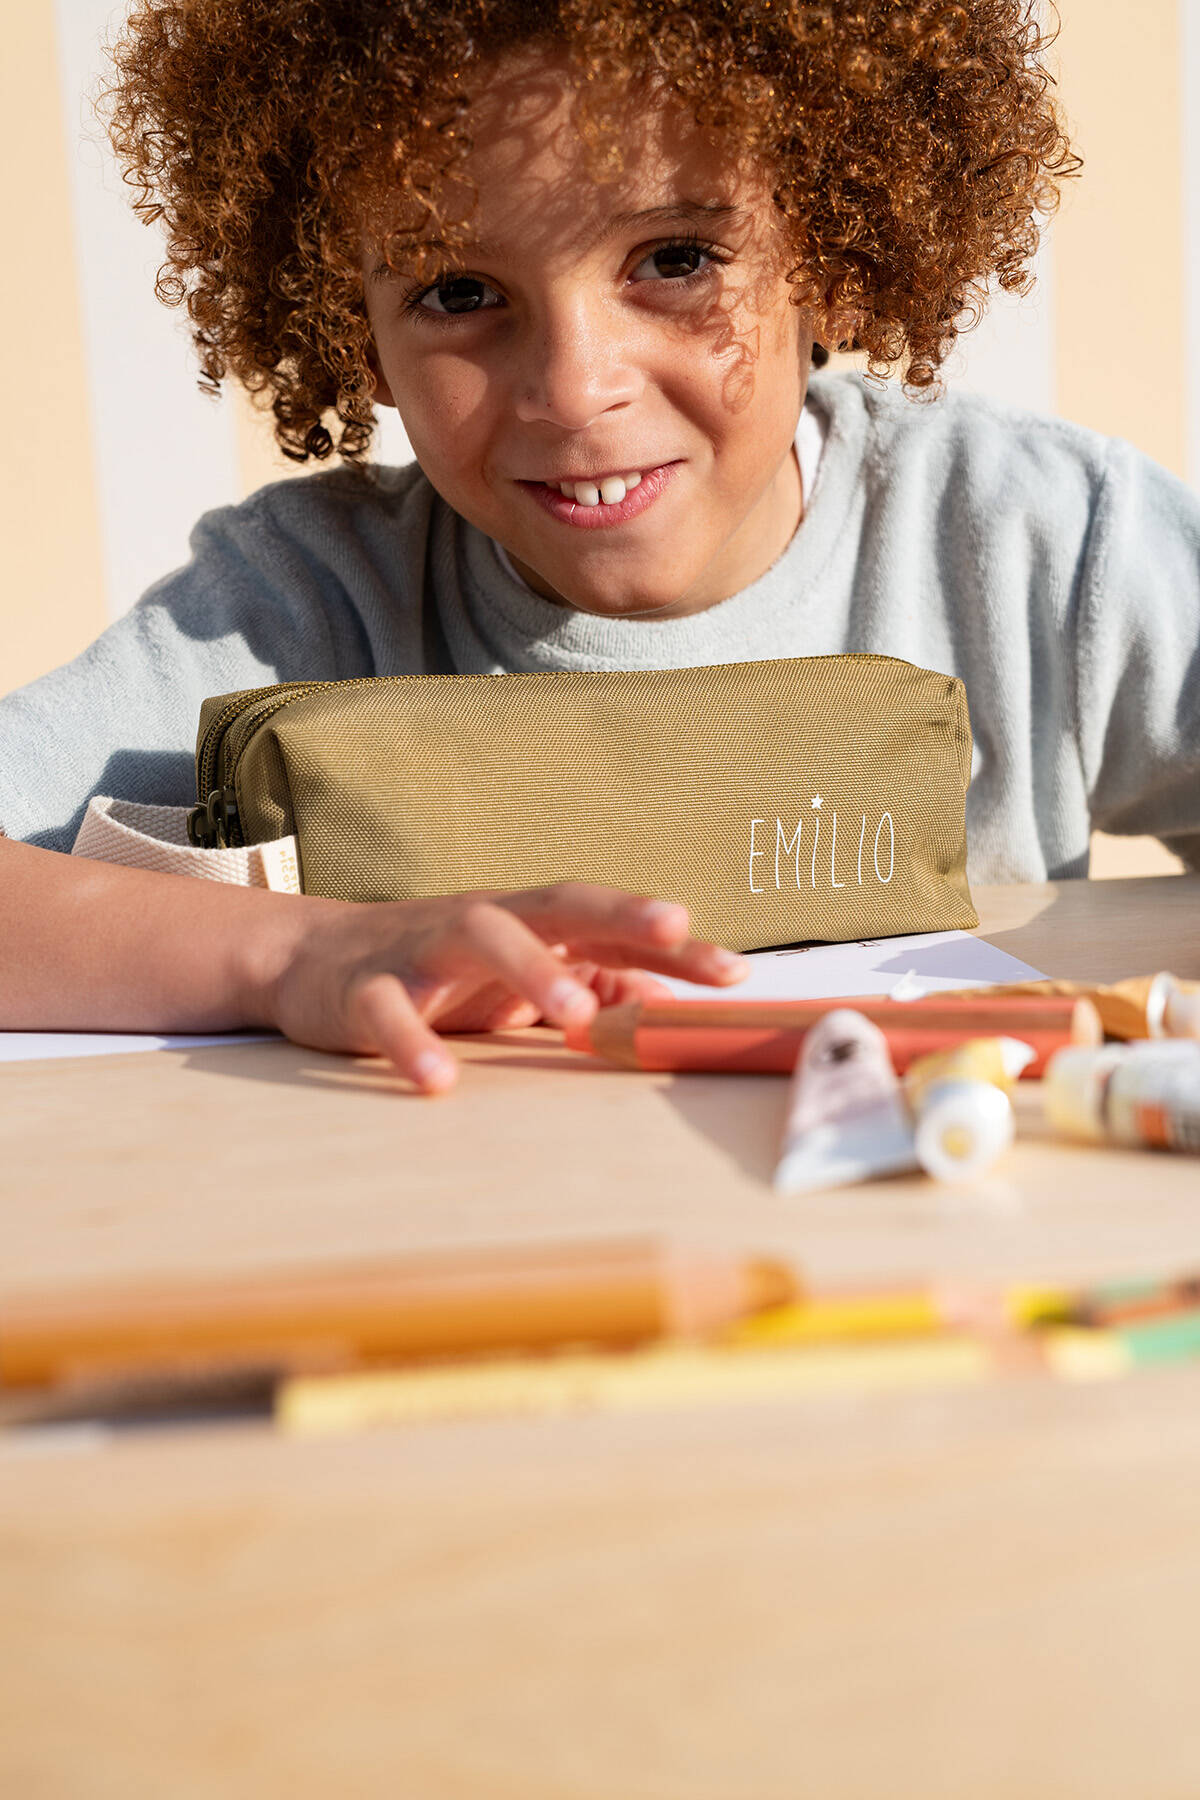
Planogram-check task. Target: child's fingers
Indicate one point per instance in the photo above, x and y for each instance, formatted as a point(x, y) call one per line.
point(618, 930)
point(692, 960)
point(463, 1005)
point(615, 987)
point(381, 1015)
point(503, 1011)
point(503, 946)
point(514, 1016)
point(570, 911)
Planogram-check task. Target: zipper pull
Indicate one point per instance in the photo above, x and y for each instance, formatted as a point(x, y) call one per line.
point(198, 830)
point(212, 826)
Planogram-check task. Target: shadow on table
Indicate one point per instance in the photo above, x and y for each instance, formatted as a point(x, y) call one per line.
point(281, 1064)
point(740, 1115)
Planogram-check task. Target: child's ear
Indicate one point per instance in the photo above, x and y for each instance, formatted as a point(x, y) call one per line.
point(837, 329)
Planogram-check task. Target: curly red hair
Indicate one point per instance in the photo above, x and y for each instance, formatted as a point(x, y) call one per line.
point(912, 144)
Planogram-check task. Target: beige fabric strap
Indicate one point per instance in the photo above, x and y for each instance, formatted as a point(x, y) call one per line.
point(155, 838)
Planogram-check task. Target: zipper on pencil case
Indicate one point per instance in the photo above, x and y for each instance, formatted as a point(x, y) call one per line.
point(282, 693)
point(214, 823)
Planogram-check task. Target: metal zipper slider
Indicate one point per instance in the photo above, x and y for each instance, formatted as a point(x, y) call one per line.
point(212, 826)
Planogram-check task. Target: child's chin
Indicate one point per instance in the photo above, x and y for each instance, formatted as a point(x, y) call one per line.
point(619, 599)
point(605, 599)
point(625, 606)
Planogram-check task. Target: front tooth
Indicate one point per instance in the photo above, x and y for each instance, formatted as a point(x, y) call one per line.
point(631, 481)
point(612, 489)
point(586, 494)
point(567, 488)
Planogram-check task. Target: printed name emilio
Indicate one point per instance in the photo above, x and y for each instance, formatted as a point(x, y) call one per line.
point(876, 851)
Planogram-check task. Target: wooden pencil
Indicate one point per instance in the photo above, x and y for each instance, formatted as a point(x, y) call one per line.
point(764, 1036)
point(451, 1304)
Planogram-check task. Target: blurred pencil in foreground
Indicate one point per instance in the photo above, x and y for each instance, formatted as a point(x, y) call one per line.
point(640, 1381)
point(854, 1314)
point(448, 1304)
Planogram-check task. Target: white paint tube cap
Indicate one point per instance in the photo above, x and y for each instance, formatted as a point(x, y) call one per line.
point(1172, 1010)
point(1181, 1011)
point(964, 1126)
point(1016, 1056)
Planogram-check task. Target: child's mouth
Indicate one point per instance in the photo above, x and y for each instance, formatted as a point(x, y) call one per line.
point(591, 518)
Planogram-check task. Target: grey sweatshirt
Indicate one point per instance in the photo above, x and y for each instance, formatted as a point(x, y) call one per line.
point(1055, 570)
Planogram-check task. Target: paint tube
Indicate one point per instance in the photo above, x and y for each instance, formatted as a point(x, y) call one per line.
point(959, 1099)
point(1147, 1093)
point(846, 1116)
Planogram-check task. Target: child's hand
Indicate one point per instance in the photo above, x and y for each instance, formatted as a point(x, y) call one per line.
point(378, 979)
point(496, 1008)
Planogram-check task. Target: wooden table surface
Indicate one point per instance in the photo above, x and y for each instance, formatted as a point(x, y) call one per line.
point(987, 1592)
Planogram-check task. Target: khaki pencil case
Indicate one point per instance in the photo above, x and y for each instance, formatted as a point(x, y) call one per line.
point(782, 801)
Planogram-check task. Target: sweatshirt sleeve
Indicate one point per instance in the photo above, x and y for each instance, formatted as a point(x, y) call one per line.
point(251, 607)
point(1137, 655)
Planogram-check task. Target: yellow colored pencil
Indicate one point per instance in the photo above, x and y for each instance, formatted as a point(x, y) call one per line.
point(827, 1319)
point(918, 1313)
point(637, 1381)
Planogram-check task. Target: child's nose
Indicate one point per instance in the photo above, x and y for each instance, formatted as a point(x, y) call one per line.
point(575, 365)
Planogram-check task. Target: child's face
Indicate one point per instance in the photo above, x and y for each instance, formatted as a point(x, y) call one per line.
point(568, 343)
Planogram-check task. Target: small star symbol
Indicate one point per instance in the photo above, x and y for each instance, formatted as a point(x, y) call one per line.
point(817, 801)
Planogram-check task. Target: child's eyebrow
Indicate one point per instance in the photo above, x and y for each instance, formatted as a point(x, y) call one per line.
point(696, 212)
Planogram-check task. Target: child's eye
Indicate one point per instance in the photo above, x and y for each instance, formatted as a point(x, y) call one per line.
point(680, 259)
point(460, 296)
point(456, 295)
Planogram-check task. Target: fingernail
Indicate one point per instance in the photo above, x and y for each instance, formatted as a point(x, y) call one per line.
point(729, 960)
point(568, 1000)
point(432, 1068)
point(667, 912)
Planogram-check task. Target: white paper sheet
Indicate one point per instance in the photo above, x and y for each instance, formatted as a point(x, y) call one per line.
point(38, 1046)
point(937, 961)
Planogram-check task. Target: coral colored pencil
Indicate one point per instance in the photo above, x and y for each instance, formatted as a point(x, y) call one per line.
point(764, 1036)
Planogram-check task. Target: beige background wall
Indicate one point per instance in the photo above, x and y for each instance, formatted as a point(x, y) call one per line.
point(110, 453)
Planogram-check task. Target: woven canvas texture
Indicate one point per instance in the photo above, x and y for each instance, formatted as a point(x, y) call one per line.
point(141, 836)
point(804, 798)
